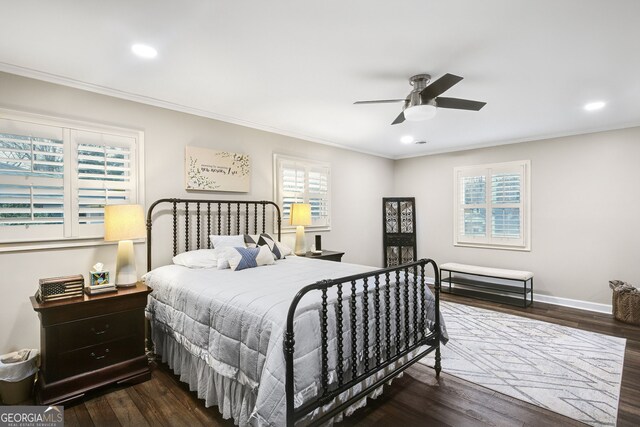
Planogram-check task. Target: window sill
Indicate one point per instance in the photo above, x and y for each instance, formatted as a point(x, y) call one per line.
point(56, 244)
point(489, 246)
point(308, 229)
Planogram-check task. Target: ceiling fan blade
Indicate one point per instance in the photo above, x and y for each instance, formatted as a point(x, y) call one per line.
point(399, 119)
point(459, 104)
point(440, 86)
point(381, 101)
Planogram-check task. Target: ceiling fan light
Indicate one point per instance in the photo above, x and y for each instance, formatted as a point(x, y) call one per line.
point(420, 112)
point(144, 51)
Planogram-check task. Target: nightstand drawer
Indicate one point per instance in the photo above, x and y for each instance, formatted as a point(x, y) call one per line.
point(97, 356)
point(96, 330)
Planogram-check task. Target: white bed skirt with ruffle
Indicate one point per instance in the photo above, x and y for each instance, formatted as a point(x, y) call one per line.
point(233, 399)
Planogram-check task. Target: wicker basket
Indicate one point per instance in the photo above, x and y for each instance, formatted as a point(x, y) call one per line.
point(626, 302)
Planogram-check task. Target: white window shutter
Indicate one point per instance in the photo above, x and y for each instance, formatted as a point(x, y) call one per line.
point(106, 174)
point(57, 175)
point(31, 181)
point(303, 181)
point(492, 205)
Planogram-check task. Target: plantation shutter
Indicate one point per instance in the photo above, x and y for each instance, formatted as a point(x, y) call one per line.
point(473, 215)
point(293, 185)
point(490, 204)
point(506, 207)
point(57, 175)
point(106, 175)
point(303, 181)
point(32, 198)
point(318, 195)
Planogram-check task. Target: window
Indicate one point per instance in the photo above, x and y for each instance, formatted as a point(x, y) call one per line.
point(303, 181)
point(492, 205)
point(56, 176)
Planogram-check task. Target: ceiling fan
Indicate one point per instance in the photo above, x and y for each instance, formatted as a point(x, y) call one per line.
point(424, 99)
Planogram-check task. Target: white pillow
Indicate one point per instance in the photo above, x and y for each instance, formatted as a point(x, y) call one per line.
point(286, 250)
point(199, 258)
point(223, 258)
point(241, 258)
point(223, 255)
point(227, 241)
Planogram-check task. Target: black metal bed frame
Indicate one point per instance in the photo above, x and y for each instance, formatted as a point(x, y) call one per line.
point(407, 339)
point(411, 330)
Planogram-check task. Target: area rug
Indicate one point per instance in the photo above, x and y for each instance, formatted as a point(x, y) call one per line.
point(566, 370)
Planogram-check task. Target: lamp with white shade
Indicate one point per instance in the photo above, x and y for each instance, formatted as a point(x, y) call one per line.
point(300, 215)
point(123, 224)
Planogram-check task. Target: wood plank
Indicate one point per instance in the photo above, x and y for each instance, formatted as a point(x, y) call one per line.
point(101, 412)
point(81, 414)
point(70, 418)
point(165, 404)
point(125, 409)
point(146, 407)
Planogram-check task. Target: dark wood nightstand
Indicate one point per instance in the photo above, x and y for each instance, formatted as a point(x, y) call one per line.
point(90, 342)
point(326, 255)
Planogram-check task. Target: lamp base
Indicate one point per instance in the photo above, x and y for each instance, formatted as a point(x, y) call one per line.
point(300, 248)
point(126, 274)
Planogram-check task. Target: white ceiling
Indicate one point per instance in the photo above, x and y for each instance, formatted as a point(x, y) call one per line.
point(296, 67)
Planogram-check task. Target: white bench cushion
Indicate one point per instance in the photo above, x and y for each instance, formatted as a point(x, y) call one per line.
point(487, 271)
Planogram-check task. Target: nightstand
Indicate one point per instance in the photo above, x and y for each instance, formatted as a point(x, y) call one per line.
point(326, 255)
point(89, 342)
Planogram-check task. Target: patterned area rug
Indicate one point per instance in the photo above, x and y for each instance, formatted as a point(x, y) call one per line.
point(568, 371)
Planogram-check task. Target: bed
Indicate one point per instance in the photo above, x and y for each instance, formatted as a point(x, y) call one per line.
point(301, 341)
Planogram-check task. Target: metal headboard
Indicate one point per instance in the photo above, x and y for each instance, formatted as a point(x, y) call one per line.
point(221, 216)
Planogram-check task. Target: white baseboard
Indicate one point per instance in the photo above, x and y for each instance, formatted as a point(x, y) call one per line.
point(574, 303)
point(565, 302)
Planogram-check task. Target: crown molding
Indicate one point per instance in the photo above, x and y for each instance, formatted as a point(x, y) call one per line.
point(155, 102)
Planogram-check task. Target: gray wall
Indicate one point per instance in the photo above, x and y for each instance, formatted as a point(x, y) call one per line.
point(359, 182)
point(585, 209)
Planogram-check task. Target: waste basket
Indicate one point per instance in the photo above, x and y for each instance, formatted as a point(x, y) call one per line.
point(17, 373)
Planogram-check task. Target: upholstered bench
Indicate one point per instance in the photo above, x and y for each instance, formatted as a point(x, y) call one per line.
point(495, 284)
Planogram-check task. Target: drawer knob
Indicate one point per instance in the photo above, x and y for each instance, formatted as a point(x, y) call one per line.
point(106, 326)
point(96, 357)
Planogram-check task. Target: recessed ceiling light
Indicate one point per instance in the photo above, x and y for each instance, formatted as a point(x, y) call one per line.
point(407, 139)
point(144, 51)
point(593, 106)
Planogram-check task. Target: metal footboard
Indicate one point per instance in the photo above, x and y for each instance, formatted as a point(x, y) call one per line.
point(394, 301)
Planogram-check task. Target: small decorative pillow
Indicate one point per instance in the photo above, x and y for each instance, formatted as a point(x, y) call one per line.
point(254, 240)
point(227, 241)
point(223, 257)
point(199, 258)
point(268, 240)
point(251, 240)
point(280, 250)
point(241, 258)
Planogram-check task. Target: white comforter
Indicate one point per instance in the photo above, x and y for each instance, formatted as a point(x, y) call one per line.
point(234, 321)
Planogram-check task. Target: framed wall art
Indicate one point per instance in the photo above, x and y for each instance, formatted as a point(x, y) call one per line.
point(211, 170)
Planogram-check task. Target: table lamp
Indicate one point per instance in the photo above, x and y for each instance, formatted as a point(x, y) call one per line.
point(122, 224)
point(300, 215)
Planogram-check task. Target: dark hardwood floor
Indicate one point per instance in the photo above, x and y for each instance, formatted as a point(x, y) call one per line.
point(415, 399)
